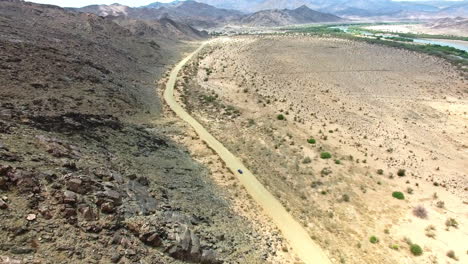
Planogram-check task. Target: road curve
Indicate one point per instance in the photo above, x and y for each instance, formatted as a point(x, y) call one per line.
point(307, 250)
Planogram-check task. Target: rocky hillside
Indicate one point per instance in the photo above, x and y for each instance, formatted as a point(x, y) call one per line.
point(84, 176)
point(458, 23)
point(189, 12)
point(301, 15)
point(353, 8)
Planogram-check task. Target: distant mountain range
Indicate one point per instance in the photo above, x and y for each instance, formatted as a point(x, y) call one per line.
point(213, 13)
point(202, 15)
point(277, 17)
point(352, 8)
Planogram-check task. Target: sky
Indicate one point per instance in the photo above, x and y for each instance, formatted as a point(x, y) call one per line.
point(132, 3)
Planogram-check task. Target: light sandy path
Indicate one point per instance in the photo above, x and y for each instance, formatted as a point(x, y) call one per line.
point(297, 236)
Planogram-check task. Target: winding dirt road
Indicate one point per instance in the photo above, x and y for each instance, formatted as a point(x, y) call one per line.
point(307, 250)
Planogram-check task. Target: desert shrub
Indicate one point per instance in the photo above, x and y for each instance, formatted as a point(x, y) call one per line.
point(401, 172)
point(345, 198)
point(209, 98)
point(306, 160)
point(325, 155)
point(398, 195)
point(395, 247)
point(311, 141)
point(451, 222)
point(440, 204)
point(420, 212)
point(451, 254)
point(374, 240)
point(379, 171)
point(416, 250)
point(409, 190)
point(325, 172)
point(430, 231)
point(280, 117)
point(338, 162)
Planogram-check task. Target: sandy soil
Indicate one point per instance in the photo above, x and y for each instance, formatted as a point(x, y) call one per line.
point(372, 108)
point(420, 29)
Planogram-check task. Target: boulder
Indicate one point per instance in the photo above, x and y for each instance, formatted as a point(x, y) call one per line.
point(70, 197)
point(3, 204)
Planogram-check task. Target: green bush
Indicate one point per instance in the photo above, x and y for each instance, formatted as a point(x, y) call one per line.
point(374, 240)
point(338, 162)
point(281, 117)
point(311, 141)
point(325, 155)
point(398, 195)
point(416, 250)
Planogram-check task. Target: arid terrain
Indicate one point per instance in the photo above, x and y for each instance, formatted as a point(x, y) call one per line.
point(446, 26)
point(333, 128)
point(89, 168)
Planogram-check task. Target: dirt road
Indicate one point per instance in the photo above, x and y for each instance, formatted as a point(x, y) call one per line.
point(307, 250)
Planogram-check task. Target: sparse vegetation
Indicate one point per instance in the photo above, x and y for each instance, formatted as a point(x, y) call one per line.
point(374, 240)
point(325, 155)
point(440, 204)
point(337, 161)
point(345, 198)
point(451, 254)
point(420, 211)
point(398, 195)
point(401, 172)
point(306, 160)
point(280, 117)
point(451, 222)
point(416, 249)
point(380, 172)
point(311, 141)
point(395, 247)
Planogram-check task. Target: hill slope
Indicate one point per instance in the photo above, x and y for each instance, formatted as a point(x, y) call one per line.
point(301, 15)
point(189, 12)
point(89, 172)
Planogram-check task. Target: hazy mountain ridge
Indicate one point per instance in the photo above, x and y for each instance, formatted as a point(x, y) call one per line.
point(188, 12)
point(301, 15)
point(350, 7)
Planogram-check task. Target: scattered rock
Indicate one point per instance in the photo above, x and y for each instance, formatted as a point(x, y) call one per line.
point(3, 204)
point(75, 185)
point(209, 257)
point(116, 258)
point(8, 260)
point(22, 250)
point(69, 197)
point(107, 208)
point(31, 217)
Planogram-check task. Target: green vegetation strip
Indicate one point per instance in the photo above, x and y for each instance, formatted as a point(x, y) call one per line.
point(457, 57)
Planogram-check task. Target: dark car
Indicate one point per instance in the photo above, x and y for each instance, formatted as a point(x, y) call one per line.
point(240, 171)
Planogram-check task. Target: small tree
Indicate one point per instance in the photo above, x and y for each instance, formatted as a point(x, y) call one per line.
point(374, 240)
point(281, 117)
point(311, 141)
point(325, 155)
point(401, 172)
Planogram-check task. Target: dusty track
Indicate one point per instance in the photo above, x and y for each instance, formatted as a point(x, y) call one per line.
point(307, 250)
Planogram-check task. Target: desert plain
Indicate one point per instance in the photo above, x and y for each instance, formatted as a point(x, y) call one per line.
point(333, 128)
